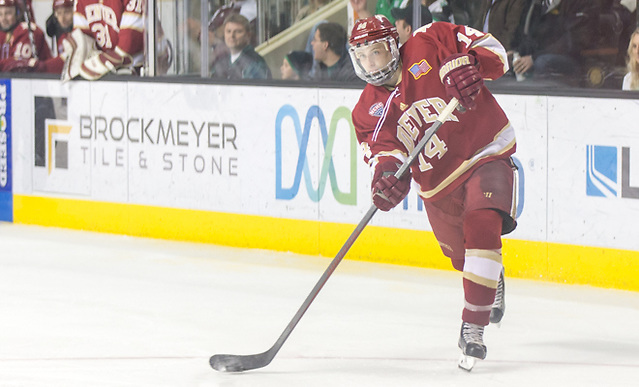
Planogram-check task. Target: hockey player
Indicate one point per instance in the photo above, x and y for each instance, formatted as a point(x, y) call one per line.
point(117, 28)
point(59, 25)
point(19, 39)
point(464, 175)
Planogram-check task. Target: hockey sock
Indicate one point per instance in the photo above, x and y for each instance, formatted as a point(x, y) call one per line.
point(482, 264)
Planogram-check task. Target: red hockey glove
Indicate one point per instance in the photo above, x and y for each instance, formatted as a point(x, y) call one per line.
point(461, 78)
point(24, 66)
point(97, 66)
point(387, 190)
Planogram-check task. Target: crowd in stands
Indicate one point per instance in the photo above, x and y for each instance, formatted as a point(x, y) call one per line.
point(569, 42)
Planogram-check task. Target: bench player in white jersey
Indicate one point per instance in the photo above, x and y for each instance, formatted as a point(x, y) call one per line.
point(464, 175)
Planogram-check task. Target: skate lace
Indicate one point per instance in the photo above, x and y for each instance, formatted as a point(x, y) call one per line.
point(499, 294)
point(473, 333)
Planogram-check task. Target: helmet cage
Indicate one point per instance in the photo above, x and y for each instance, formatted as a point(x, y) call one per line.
point(380, 76)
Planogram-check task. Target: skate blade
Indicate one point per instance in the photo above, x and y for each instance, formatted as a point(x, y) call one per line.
point(466, 363)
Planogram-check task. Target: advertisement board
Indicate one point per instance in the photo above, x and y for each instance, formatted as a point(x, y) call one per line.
point(593, 184)
point(280, 168)
point(217, 148)
point(283, 152)
point(6, 180)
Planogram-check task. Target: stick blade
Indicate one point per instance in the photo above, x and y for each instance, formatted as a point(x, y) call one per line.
point(239, 363)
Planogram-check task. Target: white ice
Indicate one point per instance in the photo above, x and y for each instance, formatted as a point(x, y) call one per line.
point(89, 309)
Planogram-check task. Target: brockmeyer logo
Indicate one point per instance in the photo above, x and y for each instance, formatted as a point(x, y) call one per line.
point(603, 166)
point(51, 133)
point(327, 166)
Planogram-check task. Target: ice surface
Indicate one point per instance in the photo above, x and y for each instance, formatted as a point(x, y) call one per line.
point(88, 309)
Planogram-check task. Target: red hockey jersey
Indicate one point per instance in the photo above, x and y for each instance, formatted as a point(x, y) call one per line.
point(55, 64)
point(113, 23)
point(389, 123)
point(16, 44)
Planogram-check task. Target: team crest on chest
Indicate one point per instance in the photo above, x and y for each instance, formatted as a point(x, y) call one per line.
point(376, 109)
point(419, 69)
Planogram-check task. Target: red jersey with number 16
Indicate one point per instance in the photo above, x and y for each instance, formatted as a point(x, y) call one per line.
point(390, 122)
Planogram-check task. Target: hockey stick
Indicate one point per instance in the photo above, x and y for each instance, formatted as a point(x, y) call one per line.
point(239, 363)
point(28, 17)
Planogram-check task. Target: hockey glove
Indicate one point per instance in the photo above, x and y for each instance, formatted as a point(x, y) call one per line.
point(461, 78)
point(31, 65)
point(387, 190)
point(98, 65)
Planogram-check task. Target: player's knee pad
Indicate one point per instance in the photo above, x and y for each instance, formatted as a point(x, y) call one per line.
point(482, 229)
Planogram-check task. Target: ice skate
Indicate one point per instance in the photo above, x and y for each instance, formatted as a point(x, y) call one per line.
point(499, 306)
point(471, 342)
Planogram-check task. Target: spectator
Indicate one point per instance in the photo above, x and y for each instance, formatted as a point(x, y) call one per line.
point(440, 9)
point(360, 9)
point(553, 35)
point(631, 79)
point(626, 10)
point(246, 8)
point(384, 7)
point(217, 46)
point(310, 8)
point(21, 41)
point(60, 24)
point(404, 20)
point(329, 50)
point(357, 9)
point(296, 65)
point(241, 62)
point(501, 19)
point(163, 50)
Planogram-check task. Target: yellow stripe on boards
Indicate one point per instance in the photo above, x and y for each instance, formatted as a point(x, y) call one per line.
point(554, 262)
point(169, 223)
point(572, 264)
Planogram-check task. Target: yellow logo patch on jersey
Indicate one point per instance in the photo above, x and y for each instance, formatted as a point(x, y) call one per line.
point(419, 69)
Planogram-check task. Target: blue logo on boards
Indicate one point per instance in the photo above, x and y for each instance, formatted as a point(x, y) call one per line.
point(601, 168)
point(608, 172)
point(327, 171)
point(6, 195)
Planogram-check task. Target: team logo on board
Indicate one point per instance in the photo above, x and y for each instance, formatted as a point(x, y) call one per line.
point(608, 172)
point(293, 139)
point(51, 133)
